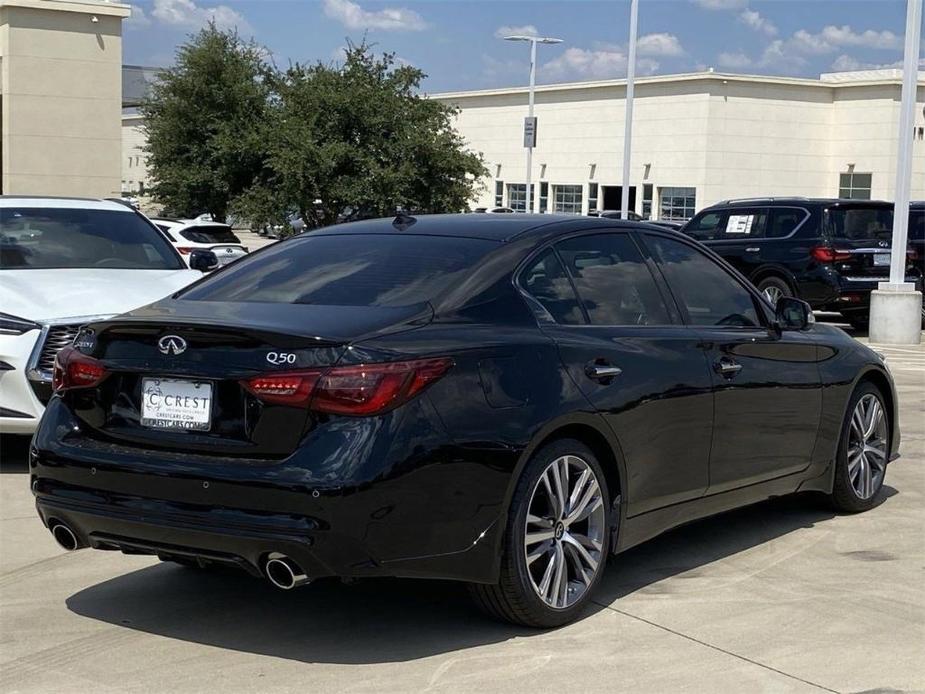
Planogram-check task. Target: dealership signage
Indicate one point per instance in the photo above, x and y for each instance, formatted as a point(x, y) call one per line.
point(530, 131)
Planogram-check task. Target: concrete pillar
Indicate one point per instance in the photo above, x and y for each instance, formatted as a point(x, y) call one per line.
point(61, 90)
point(895, 315)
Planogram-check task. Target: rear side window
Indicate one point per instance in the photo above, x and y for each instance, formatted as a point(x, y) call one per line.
point(709, 293)
point(784, 221)
point(613, 280)
point(861, 223)
point(210, 233)
point(545, 280)
point(707, 226)
point(347, 270)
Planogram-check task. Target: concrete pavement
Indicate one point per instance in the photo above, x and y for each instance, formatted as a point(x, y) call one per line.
point(784, 596)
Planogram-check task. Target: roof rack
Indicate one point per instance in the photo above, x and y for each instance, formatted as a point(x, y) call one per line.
point(764, 199)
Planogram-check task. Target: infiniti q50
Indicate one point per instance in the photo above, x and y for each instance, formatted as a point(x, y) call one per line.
point(499, 400)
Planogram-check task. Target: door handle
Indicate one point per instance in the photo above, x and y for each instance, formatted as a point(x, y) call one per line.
point(727, 367)
point(598, 371)
point(752, 249)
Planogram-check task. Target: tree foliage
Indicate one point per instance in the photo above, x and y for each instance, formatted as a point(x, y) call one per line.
point(326, 141)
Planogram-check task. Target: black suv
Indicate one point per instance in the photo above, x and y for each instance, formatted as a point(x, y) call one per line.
point(830, 253)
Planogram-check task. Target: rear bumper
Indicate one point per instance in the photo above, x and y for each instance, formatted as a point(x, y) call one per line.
point(427, 517)
point(853, 293)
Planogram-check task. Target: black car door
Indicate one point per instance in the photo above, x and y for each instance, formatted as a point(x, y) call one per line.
point(768, 395)
point(632, 359)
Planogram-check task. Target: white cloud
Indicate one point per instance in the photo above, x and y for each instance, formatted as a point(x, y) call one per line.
point(755, 21)
point(352, 16)
point(659, 45)
point(186, 13)
point(778, 55)
point(847, 63)
point(137, 19)
point(721, 4)
point(831, 38)
point(598, 63)
point(525, 30)
point(733, 61)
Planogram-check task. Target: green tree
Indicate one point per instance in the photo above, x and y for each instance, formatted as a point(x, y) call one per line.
point(204, 121)
point(359, 138)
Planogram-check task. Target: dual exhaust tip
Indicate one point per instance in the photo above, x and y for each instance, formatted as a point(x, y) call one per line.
point(279, 569)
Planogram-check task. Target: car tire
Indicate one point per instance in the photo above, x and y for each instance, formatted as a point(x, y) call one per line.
point(859, 481)
point(774, 288)
point(859, 321)
point(516, 597)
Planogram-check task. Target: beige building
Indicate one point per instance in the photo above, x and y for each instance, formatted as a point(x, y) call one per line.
point(698, 138)
point(61, 91)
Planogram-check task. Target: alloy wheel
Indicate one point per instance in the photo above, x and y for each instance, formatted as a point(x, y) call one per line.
point(773, 294)
point(867, 446)
point(564, 531)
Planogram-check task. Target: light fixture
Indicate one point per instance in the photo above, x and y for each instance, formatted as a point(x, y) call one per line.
point(538, 39)
point(94, 19)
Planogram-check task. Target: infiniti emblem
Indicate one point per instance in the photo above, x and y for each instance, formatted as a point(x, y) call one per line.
point(171, 344)
point(884, 244)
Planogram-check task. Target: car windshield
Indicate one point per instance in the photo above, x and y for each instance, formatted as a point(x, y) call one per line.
point(210, 233)
point(41, 238)
point(861, 223)
point(347, 270)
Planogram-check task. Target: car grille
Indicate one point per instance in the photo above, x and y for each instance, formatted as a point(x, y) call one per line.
point(58, 337)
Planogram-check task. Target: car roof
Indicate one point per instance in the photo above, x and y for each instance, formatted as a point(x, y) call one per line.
point(798, 201)
point(62, 203)
point(492, 227)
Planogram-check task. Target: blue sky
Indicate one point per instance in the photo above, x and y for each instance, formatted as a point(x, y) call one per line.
point(457, 42)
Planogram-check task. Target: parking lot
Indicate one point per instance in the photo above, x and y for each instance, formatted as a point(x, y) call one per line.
point(784, 596)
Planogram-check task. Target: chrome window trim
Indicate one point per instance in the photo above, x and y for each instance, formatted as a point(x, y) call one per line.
point(761, 239)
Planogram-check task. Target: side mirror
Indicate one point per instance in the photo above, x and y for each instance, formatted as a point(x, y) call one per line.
point(203, 259)
point(793, 314)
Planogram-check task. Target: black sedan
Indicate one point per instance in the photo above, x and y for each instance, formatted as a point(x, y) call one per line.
point(497, 399)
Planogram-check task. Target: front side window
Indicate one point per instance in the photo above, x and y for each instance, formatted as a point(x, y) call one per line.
point(677, 203)
point(854, 186)
point(745, 224)
point(613, 280)
point(347, 270)
point(42, 238)
point(710, 295)
point(545, 280)
point(567, 199)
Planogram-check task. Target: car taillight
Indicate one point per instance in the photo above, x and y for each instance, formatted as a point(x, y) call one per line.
point(362, 390)
point(74, 369)
point(185, 250)
point(824, 254)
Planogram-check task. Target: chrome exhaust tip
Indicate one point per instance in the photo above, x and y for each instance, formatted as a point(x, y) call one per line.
point(65, 537)
point(284, 573)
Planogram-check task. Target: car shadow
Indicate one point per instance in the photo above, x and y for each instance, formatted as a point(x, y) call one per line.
point(394, 620)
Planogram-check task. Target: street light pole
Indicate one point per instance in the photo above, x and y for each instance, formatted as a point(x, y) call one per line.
point(628, 126)
point(530, 136)
point(895, 306)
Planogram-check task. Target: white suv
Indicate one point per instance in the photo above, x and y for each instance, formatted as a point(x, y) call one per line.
point(63, 263)
point(189, 234)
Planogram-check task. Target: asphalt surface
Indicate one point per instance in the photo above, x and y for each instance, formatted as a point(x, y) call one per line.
point(784, 596)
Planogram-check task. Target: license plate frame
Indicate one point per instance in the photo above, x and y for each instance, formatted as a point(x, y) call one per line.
point(881, 259)
point(176, 404)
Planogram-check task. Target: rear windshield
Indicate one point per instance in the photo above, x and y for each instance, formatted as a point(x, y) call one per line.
point(50, 238)
point(210, 233)
point(861, 223)
point(349, 270)
point(917, 225)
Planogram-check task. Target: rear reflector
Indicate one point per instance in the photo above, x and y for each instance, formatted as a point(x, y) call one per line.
point(74, 369)
point(362, 390)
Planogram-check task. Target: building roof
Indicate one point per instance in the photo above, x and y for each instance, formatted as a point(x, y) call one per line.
point(834, 80)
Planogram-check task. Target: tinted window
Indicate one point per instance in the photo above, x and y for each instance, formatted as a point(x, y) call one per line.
point(710, 294)
point(546, 281)
point(210, 233)
point(784, 221)
point(348, 270)
point(613, 280)
point(745, 224)
point(917, 225)
point(861, 223)
point(707, 225)
point(48, 238)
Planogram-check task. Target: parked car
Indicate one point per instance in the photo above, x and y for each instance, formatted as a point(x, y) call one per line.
point(189, 235)
point(830, 253)
point(501, 400)
point(63, 263)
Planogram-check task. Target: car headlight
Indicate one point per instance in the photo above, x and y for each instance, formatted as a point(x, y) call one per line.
point(11, 325)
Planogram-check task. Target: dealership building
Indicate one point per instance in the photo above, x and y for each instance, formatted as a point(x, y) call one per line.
point(697, 139)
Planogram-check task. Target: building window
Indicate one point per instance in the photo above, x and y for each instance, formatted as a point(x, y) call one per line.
point(499, 193)
point(647, 200)
point(544, 197)
point(517, 196)
point(854, 186)
point(567, 199)
point(677, 203)
point(592, 197)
